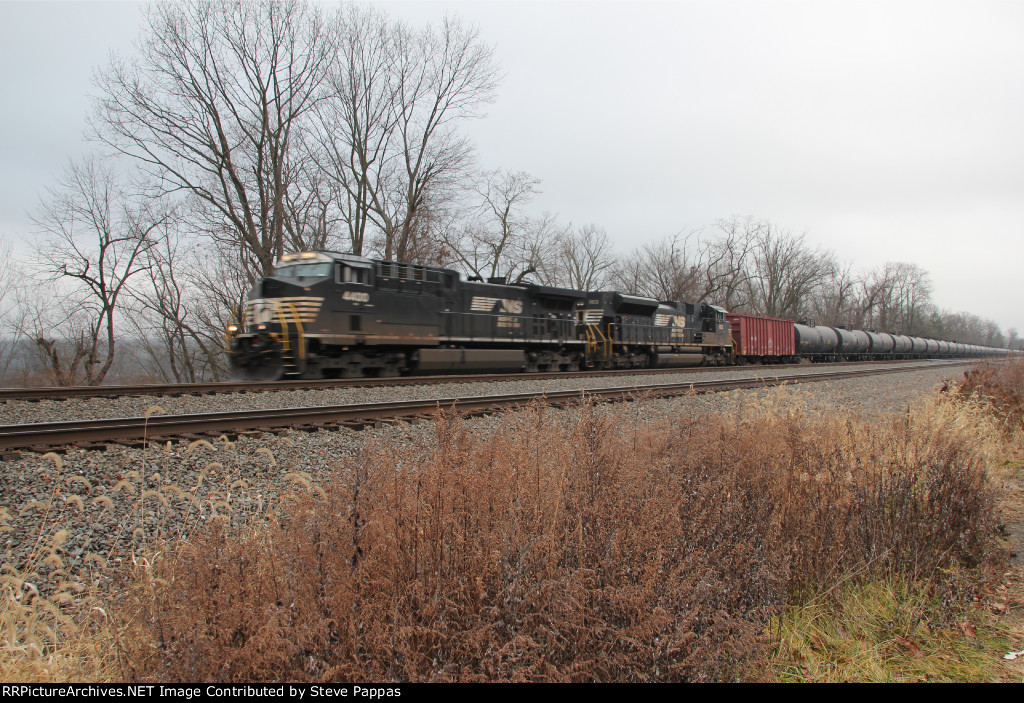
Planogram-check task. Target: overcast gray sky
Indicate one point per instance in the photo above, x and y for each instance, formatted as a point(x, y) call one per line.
point(885, 131)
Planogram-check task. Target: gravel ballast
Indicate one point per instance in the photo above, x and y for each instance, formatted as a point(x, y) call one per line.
point(23, 412)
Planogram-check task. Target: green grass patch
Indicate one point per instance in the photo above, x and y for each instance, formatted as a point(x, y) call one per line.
point(888, 631)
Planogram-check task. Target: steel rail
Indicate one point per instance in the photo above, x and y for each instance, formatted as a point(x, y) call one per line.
point(179, 389)
point(38, 436)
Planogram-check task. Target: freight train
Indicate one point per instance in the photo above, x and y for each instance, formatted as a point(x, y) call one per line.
point(335, 315)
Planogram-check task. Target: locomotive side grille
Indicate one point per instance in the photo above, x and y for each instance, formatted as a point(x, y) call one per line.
point(264, 310)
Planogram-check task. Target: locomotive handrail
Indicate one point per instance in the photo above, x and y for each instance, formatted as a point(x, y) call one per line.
point(597, 344)
point(286, 347)
point(299, 331)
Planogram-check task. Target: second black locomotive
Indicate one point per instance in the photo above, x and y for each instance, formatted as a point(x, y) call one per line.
point(328, 314)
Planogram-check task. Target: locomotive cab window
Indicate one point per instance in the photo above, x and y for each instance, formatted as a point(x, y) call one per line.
point(303, 271)
point(350, 274)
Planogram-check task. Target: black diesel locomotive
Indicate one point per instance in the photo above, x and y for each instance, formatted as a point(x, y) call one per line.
point(327, 314)
point(331, 315)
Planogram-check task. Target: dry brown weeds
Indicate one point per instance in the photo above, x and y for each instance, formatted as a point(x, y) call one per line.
point(1000, 383)
point(580, 546)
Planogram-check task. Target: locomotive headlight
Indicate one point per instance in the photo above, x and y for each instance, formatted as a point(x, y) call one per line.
point(232, 328)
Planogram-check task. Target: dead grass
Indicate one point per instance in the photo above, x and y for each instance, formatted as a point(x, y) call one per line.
point(591, 546)
point(55, 590)
point(1001, 385)
point(888, 631)
point(572, 548)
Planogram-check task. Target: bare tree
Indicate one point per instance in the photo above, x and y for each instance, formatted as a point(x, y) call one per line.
point(672, 269)
point(500, 240)
point(579, 258)
point(970, 328)
point(727, 270)
point(993, 335)
point(785, 272)
point(911, 295)
point(387, 136)
point(310, 218)
point(896, 298)
point(9, 336)
point(835, 302)
point(355, 129)
point(222, 291)
point(875, 300)
point(212, 108)
point(93, 240)
point(172, 307)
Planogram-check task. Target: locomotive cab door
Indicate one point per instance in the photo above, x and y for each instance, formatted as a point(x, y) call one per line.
point(353, 302)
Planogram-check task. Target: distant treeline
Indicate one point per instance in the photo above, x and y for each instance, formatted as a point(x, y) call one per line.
point(245, 129)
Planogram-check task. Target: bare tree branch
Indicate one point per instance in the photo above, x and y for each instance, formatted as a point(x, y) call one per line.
point(212, 107)
point(92, 237)
point(387, 136)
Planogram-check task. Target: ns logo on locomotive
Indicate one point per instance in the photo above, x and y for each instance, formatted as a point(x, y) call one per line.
point(335, 315)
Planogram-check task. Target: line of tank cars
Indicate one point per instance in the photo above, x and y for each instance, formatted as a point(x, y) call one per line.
point(329, 314)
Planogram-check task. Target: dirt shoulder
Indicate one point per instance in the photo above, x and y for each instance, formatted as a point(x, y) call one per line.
point(1008, 602)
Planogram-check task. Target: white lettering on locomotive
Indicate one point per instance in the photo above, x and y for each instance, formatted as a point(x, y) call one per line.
point(355, 296)
point(482, 304)
point(663, 320)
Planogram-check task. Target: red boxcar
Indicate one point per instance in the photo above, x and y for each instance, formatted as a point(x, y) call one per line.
point(765, 339)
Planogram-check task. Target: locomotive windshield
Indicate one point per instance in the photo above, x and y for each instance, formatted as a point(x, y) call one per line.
point(319, 270)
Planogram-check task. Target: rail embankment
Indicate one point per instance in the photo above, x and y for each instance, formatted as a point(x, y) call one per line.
point(742, 538)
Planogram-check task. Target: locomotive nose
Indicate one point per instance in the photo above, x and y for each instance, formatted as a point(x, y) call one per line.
point(256, 358)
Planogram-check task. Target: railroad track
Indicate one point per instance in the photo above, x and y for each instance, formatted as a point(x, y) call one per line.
point(182, 389)
point(39, 437)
